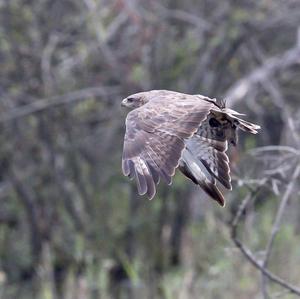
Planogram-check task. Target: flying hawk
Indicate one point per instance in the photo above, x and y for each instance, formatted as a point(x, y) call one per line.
point(168, 129)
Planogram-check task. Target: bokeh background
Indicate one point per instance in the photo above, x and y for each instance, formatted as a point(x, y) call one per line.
point(71, 226)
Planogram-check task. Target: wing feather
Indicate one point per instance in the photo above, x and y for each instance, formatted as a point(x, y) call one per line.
point(212, 155)
point(154, 138)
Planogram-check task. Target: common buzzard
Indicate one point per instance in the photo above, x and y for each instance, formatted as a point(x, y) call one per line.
point(168, 129)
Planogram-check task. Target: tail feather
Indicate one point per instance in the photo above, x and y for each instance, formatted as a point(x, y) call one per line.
point(246, 125)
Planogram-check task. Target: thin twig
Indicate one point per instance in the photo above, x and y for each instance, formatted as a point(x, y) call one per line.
point(248, 253)
point(277, 224)
point(277, 148)
point(276, 279)
point(185, 16)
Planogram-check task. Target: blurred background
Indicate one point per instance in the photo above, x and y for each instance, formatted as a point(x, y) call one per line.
point(71, 226)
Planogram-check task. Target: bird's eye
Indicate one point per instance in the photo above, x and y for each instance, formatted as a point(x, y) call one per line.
point(214, 123)
point(130, 100)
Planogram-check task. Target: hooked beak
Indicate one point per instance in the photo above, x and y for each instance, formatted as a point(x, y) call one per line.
point(124, 102)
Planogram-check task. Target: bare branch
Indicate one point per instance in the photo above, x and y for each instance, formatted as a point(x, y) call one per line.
point(43, 104)
point(272, 65)
point(46, 61)
point(272, 87)
point(276, 279)
point(275, 148)
point(249, 255)
point(27, 199)
point(277, 223)
point(183, 16)
point(110, 58)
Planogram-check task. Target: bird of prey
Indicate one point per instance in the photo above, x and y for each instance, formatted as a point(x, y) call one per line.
point(168, 129)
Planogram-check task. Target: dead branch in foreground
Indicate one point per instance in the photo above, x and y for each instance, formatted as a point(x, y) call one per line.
point(262, 266)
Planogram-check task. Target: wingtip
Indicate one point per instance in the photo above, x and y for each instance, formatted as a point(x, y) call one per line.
point(220, 201)
point(151, 195)
point(213, 191)
point(142, 190)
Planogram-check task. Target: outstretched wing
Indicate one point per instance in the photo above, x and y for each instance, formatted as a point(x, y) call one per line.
point(154, 138)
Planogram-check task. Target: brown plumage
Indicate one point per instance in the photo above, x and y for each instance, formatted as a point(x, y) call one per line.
point(168, 129)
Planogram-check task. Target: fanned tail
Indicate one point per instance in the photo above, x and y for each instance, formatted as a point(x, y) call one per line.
point(247, 126)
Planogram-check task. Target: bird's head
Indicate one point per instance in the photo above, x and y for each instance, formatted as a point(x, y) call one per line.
point(139, 99)
point(136, 100)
